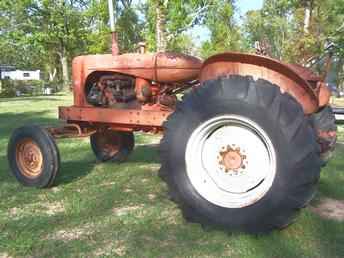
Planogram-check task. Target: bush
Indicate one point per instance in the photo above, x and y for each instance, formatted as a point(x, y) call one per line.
point(9, 88)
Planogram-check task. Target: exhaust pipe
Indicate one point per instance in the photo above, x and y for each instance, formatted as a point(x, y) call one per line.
point(114, 46)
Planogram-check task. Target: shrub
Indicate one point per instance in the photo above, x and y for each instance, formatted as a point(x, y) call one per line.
point(7, 89)
point(10, 87)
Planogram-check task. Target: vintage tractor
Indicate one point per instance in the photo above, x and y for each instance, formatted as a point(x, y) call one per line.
point(242, 150)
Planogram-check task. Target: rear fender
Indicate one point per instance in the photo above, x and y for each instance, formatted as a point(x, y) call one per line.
point(264, 68)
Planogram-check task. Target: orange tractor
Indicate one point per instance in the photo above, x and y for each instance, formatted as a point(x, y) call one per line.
point(242, 150)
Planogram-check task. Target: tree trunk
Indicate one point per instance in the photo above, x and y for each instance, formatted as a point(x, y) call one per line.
point(161, 41)
point(308, 16)
point(51, 72)
point(65, 68)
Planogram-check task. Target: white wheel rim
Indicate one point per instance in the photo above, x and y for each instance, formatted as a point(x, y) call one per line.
point(230, 161)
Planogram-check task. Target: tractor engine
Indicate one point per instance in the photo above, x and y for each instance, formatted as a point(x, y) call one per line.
point(110, 90)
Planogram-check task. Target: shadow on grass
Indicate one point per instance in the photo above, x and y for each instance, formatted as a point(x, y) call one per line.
point(10, 121)
point(148, 153)
point(187, 240)
point(71, 171)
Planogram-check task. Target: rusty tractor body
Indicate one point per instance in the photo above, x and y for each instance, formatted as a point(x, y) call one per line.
point(241, 150)
point(152, 81)
point(148, 96)
point(117, 95)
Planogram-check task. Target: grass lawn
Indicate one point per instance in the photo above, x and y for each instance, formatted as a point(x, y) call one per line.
point(338, 102)
point(112, 210)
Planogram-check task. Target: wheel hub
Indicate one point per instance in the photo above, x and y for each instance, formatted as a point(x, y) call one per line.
point(29, 158)
point(231, 159)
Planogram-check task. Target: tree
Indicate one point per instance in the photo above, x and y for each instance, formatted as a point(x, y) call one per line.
point(128, 26)
point(16, 46)
point(168, 20)
point(224, 33)
point(48, 34)
point(51, 30)
point(300, 31)
point(272, 25)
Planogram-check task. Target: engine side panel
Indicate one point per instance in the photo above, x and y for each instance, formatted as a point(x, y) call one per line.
point(159, 67)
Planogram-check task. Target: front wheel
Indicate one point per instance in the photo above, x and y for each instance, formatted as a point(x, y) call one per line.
point(33, 156)
point(239, 154)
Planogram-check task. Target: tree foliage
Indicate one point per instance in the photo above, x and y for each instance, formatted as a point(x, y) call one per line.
point(224, 32)
point(299, 31)
point(47, 34)
point(167, 22)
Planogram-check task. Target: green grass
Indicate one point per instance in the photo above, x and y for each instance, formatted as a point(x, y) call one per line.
point(112, 210)
point(338, 102)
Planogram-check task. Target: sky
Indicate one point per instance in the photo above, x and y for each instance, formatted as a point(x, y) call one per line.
point(201, 34)
point(247, 5)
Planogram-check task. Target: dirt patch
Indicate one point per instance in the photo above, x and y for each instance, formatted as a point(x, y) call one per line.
point(171, 216)
point(151, 197)
point(116, 247)
point(150, 166)
point(45, 208)
point(330, 209)
point(5, 255)
point(67, 235)
point(54, 207)
point(72, 234)
point(13, 212)
point(126, 210)
point(55, 189)
point(108, 184)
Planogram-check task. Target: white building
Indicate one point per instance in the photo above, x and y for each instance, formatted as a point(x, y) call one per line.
point(21, 75)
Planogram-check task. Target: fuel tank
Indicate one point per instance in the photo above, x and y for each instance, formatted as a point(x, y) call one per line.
point(160, 67)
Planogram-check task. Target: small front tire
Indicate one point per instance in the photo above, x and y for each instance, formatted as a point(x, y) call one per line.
point(33, 156)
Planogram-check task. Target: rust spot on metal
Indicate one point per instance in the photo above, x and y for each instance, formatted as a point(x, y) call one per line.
point(119, 117)
point(70, 131)
point(324, 94)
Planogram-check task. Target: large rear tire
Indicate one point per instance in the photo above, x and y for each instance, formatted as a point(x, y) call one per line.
point(324, 123)
point(33, 156)
point(239, 154)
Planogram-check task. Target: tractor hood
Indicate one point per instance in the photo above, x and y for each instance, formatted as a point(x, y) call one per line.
point(160, 67)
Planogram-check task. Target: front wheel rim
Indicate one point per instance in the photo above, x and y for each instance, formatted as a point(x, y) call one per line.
point(230, 161)
point(29, 158)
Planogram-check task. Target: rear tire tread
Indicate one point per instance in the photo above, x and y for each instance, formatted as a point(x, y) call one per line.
point(253, 95)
